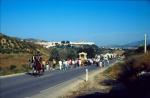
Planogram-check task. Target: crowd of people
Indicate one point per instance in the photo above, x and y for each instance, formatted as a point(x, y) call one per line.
point(39, 65)
point(71, 63)
point(63, 64)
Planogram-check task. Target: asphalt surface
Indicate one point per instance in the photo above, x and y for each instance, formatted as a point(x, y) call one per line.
point(26, 85)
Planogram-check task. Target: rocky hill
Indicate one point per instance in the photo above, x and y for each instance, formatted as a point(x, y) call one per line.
point(16, 45)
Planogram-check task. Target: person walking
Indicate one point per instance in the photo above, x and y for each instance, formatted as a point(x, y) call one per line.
point(60, 65)
point(47, 66)
point(54, 64)
point(100, 64)
point(79, 62)
point(73, 64)
point(43, 66)
point(66, 64)
point(63, 64)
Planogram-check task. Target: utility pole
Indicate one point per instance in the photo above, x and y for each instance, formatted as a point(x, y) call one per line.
point(145, 50)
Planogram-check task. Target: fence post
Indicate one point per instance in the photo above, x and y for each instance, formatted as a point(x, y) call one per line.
point(86, 75)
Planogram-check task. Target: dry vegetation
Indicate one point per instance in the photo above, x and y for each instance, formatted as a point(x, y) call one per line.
point(13, 59)
point(15, 63)
point(130, 68)
point(93, 85)
point(15, 54)
point(118, 81)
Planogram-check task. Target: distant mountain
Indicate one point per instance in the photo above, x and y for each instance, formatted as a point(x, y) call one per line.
point(132, 45)
point(136, 44)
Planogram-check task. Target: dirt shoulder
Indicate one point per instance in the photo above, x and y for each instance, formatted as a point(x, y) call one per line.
point(90, 86)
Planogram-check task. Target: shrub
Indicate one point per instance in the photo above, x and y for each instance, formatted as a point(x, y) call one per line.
point(25, 68)
point(129, 69)
point(0, 68)
point(116, 71)
point(13, 67)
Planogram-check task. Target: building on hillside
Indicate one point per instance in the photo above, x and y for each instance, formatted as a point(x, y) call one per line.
point(82, 43)
point(52, 44)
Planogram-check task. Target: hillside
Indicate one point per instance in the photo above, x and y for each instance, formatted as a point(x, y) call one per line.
point(15, 54)
point(33, 40)
point(15, 45)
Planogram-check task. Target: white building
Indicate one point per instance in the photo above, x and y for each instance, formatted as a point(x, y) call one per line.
point(82, 43)
point(52, 44)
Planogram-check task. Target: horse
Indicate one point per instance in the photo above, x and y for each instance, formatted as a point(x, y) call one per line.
point(38, 68)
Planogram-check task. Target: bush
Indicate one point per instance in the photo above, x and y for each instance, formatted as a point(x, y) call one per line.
point(0, 68)
point(13, 67)
point(25, 68)
point(116, 71)
point(129, 70)
point(5, 71)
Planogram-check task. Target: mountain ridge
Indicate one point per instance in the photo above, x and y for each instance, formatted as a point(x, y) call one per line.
point(137, 43)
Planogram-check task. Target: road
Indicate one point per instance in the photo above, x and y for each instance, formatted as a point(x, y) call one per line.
point(26, 85)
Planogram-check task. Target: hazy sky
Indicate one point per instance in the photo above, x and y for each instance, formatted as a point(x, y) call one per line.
point(101, 21)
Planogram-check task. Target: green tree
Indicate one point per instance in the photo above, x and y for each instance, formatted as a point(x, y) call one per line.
point(91, 50)
point(54, 54)
point(63, 42)
point(72, 53)
point(67, 42)
point(67, 53)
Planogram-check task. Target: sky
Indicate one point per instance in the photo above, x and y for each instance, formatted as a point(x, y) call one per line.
point(105, 22)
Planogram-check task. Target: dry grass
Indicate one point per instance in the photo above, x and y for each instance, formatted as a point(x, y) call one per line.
point(130, 68)
point(120, 71)
point(115, 71)
point(140, 62)
point(14, 59)
point(18, 60)
point(93, 85)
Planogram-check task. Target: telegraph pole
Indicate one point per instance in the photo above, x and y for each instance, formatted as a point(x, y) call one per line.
point(145, 47)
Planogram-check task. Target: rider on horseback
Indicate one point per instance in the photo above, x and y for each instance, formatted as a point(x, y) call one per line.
point(37, 65)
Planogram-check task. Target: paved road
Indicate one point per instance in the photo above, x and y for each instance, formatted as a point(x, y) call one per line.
point(25, 85)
